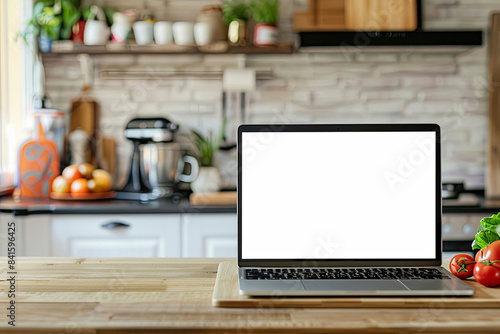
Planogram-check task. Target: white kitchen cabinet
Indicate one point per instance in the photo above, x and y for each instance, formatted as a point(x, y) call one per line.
point(5, 218)
point(209, 235)
point(34, 237)
point(32, 234)
point(131, 235)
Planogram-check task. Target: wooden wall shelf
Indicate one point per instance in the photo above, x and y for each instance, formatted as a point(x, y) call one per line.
point(68, 47)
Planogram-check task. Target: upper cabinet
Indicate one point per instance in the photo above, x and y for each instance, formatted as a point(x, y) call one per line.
point(365, 23)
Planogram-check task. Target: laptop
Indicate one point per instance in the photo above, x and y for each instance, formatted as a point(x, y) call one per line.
point(341, 210)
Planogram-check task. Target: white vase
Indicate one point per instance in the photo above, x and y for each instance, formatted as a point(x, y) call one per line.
point(208, 181)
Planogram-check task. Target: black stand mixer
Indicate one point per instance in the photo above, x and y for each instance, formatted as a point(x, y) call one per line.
point(143, 131)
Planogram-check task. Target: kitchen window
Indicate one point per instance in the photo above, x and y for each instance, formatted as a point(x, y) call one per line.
point(16, 68)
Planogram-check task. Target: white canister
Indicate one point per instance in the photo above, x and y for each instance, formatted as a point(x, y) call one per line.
point(203, 33)
point(143, 32)
point(183, 33)
point(265, 34)
point(163, 33)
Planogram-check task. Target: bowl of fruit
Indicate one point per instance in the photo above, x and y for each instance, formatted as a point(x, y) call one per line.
point(82, 182)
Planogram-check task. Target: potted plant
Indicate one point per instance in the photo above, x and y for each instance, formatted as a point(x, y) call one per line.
point(208, 180)
point(265, 14)
point(235, 14)
point(52, 20)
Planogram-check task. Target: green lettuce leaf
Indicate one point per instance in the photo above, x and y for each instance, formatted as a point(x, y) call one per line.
point(491, 221)
point(486, 236)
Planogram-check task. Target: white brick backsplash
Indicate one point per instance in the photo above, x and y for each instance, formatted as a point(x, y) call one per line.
point(447, 93)
point(377, 57)
point(330, 96)
point(368, 95)
point(439, 58)
point(266, 108)
point(339, 87)
point(435, 107)
point(475, 55)
point(204, 95)
point(418, 81)
point(473, 69)
point(412, 68)
point(271, 84)
point(313, 83)
point(393, 107)
point(326, 58)
point(380, 83)
point(276, 95)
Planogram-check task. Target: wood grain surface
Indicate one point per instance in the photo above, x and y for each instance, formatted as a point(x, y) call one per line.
point(226, 294)
point(493, 151)
point(219, 198)
point(71, 295)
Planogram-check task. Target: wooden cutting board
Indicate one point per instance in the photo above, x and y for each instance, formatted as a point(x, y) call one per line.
point(226, 294)
point(38, 166)
point(220, 198)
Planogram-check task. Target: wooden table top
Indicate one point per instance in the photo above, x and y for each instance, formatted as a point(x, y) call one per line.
point(70, 295)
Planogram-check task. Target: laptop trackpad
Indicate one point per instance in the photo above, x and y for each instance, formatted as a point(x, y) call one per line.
point(353, 285)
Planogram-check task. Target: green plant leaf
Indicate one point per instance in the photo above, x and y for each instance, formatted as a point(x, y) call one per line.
point(265, 11)
point(235, 10)
point(208, 145)
point(37, 8)
point(86, 13)
point(70, 15)
point(109, 15)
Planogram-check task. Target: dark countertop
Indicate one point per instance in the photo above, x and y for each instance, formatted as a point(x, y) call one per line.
point(23, 207)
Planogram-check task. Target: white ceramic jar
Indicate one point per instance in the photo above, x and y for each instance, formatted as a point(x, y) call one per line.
point(163, 33)
point(203, 33)
point(143, 32)
point(183, 33)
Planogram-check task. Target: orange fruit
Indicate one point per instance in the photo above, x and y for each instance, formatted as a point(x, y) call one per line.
point(86, 170)
point(79, 186)
point(71, 173)
point(60, 185)
point(101, 181)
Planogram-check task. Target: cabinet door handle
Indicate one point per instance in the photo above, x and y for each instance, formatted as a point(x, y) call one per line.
point(113, 225)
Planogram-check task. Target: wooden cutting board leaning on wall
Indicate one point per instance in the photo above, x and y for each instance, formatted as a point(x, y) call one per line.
point(358, 15)
point(84, 115)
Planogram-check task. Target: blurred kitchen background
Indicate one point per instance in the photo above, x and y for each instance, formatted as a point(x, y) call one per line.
point(299, 78)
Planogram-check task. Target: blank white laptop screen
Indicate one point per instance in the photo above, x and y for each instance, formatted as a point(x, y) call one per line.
point(338, 195)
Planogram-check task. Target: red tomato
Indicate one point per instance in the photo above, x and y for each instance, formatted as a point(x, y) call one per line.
point(487, 273)
point(492, 252)
point(462, 266)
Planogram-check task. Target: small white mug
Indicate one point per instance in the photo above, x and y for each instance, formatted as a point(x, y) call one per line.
point(203, 33)
point(163, 33)
point(143, 32)
point(183, 33)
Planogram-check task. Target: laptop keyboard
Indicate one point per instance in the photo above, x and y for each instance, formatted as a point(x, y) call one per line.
point(345, 273)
